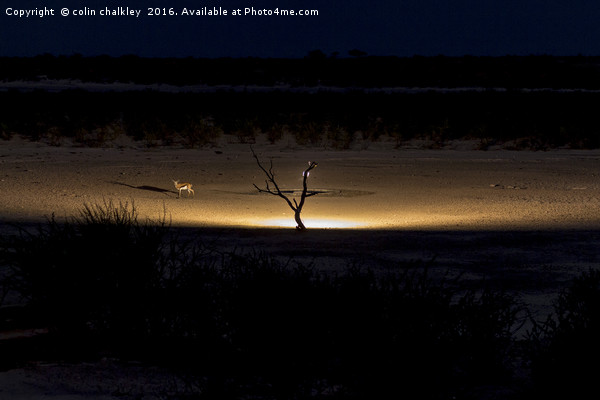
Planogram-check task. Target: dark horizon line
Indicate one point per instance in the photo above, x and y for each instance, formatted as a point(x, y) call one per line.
point(312, 54)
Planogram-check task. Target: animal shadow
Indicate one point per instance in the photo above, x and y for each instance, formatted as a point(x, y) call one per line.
point(144, 187)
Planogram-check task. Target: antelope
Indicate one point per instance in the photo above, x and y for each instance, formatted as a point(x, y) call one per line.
point(183, 186)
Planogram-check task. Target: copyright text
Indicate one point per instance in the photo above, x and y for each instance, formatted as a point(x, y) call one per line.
point(159, 12)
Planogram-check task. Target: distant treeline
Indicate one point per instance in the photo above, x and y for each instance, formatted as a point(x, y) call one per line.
point(318, 69)
point(514, 119)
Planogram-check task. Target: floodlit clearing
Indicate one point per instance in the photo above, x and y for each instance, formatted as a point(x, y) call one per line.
point(377, 188)
point(319, 223)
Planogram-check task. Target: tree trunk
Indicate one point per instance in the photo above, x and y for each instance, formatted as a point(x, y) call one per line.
point(300, 225)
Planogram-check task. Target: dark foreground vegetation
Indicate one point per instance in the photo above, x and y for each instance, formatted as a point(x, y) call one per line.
point(245, 325)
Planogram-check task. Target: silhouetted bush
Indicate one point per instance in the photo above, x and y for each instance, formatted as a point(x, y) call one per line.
point(565, 348)
point(106, 283)
point(94, 273)
point(247, 323)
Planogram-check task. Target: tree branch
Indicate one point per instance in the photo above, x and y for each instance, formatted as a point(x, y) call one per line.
point(311, 165)
point(296, 207)
point(271, 178)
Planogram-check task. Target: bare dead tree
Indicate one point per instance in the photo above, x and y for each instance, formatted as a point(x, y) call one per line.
point(271, 187)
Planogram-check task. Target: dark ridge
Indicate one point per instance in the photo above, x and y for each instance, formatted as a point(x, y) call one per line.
point(317, 69)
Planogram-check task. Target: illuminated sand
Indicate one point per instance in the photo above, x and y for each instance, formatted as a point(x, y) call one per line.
point(474, 211)
point(375, 188)
point(467, 209)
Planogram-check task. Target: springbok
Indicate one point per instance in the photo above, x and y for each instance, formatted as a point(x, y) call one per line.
point(183, 186)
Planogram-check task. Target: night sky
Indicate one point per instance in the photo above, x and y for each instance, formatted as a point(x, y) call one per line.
point(399, 28)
